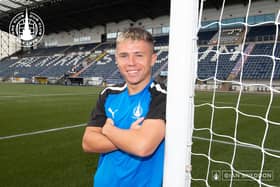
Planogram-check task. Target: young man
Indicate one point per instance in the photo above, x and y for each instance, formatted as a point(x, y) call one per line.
point(128, 124)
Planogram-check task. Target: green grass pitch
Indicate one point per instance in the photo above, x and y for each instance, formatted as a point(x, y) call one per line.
point(53, 159)
point(247, 128)
point(56, 159)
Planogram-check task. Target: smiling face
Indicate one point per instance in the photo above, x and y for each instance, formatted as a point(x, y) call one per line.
point(135, 59)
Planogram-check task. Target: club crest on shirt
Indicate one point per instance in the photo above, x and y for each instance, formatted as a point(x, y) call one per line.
point(137, 111)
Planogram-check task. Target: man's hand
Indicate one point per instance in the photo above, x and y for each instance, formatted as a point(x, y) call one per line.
point(94, 141)
point(107, 126)
point(140, 140)
point(136, 124)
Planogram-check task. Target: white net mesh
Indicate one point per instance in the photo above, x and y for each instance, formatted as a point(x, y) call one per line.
point(237, 122)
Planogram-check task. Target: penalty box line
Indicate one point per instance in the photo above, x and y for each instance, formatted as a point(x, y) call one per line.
point(41, 131)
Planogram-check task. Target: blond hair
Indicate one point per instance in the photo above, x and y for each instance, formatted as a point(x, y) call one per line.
point(136, 33)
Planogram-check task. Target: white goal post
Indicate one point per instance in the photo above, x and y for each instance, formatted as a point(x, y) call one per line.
point(180, 92)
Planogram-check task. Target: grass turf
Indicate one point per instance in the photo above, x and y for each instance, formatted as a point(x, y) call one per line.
point(49, 159)
point(56, 158)
point(248, 129)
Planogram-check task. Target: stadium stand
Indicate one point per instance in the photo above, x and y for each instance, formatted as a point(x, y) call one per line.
point(255, 67)
point(79, 61)
point(262, 33)
point(205, 37)
point(96, 59)
point(258, 67)
point(207, 61)
point(58, 61)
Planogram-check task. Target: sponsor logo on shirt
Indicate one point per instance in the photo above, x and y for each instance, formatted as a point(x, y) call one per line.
point(112, 111)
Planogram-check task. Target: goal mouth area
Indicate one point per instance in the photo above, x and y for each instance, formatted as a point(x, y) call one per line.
point(235, 120)
point(236, 106)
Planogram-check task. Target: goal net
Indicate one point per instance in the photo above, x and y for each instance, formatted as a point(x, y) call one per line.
point(233, 138)
point(237, 108)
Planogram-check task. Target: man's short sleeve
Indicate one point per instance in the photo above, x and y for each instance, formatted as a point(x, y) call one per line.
point(98, 115)
point(157, 109)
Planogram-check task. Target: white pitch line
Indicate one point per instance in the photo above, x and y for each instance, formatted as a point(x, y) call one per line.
point(229, 143)
point(44, 95)
point(41, 131)
point(81, 125)
point(241, 104)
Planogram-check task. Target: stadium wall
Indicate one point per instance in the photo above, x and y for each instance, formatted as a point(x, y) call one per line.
point(94, 35)
point(257, 8)
point(75, 37)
